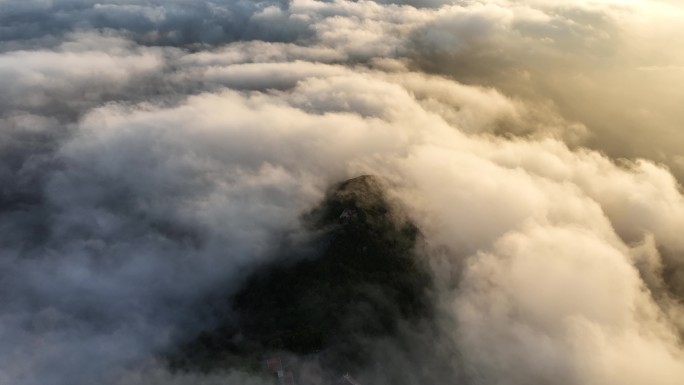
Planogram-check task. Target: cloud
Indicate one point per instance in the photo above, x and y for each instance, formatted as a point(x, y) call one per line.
point(530, 312)
point(170, 23)
point(587, 59)
point(153, 154)
point(80, 71)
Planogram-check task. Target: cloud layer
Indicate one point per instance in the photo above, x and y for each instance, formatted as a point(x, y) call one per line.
point(153, 154)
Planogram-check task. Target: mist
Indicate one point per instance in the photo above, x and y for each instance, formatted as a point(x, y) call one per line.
point(156, 154)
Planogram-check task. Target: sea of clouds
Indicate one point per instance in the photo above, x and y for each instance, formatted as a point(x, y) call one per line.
point(153, 153)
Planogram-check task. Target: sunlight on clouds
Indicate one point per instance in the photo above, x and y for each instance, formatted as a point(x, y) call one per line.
point(154, 154)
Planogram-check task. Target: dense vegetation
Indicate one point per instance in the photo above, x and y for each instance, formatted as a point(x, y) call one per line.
point(365, 281)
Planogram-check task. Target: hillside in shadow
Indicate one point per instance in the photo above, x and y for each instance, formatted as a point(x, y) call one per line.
point(364, 282)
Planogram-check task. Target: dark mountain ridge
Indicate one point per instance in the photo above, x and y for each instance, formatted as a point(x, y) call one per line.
point(365, 282)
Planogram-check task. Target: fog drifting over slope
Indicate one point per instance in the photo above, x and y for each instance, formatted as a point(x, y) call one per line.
point(153, 153)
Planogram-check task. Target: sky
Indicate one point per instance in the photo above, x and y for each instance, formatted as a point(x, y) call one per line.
point(155, 152)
